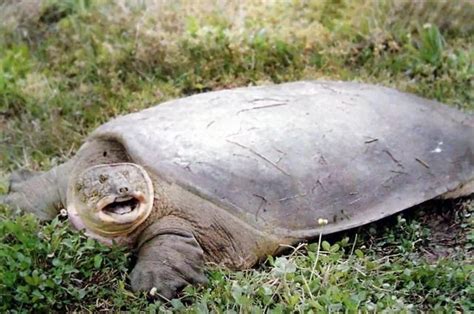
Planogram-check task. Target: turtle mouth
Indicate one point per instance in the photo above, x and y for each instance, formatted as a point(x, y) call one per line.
point(122, 206)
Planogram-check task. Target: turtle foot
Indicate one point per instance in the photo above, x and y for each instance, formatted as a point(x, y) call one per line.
point(18, 177)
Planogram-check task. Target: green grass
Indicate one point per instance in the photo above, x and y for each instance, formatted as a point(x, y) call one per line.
point(68, 66)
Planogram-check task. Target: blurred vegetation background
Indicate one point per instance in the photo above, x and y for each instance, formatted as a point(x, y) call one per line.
point(68, 66)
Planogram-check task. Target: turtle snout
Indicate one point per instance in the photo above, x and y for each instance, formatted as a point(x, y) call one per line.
point(123, 190)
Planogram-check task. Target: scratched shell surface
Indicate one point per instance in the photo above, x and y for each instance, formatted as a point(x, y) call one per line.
point(288, 158)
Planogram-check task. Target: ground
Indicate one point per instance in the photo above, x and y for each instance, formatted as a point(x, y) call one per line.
point(68, 66)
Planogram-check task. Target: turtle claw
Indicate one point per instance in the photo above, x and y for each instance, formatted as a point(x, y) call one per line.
point(167, 263)
point(161, 281)
point(156, 280)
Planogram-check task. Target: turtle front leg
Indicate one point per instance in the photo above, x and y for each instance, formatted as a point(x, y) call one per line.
point(39, 193)
point(169, 259)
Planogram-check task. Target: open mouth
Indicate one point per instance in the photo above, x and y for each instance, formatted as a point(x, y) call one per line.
point(122, 206)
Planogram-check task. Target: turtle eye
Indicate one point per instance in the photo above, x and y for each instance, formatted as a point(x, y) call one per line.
point(103, 178)
point(79, 186)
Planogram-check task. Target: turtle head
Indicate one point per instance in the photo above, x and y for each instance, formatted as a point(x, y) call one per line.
point(110, 200)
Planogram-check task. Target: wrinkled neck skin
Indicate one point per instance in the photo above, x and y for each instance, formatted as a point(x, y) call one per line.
point(225, 239)
point(78, 224)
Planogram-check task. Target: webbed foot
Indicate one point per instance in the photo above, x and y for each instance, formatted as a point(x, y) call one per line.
point(167, 263)
point(34, 192)
point(18, 177)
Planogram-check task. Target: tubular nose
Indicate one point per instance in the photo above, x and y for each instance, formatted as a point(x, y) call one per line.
point(123, 190)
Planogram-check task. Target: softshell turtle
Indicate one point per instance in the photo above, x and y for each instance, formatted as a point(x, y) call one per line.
point(230, 176)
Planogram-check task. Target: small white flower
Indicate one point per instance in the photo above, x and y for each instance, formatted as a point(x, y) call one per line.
point(153, 291)
point(322, 221)
point(63, 212)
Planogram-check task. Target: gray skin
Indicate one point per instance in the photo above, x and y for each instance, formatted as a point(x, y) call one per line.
point(233, 176)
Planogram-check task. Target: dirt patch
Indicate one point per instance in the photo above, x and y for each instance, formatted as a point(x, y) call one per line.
point(450, 223)
point(437, 229)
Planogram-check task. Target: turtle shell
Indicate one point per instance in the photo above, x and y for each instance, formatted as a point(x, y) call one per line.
point(303, 158)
